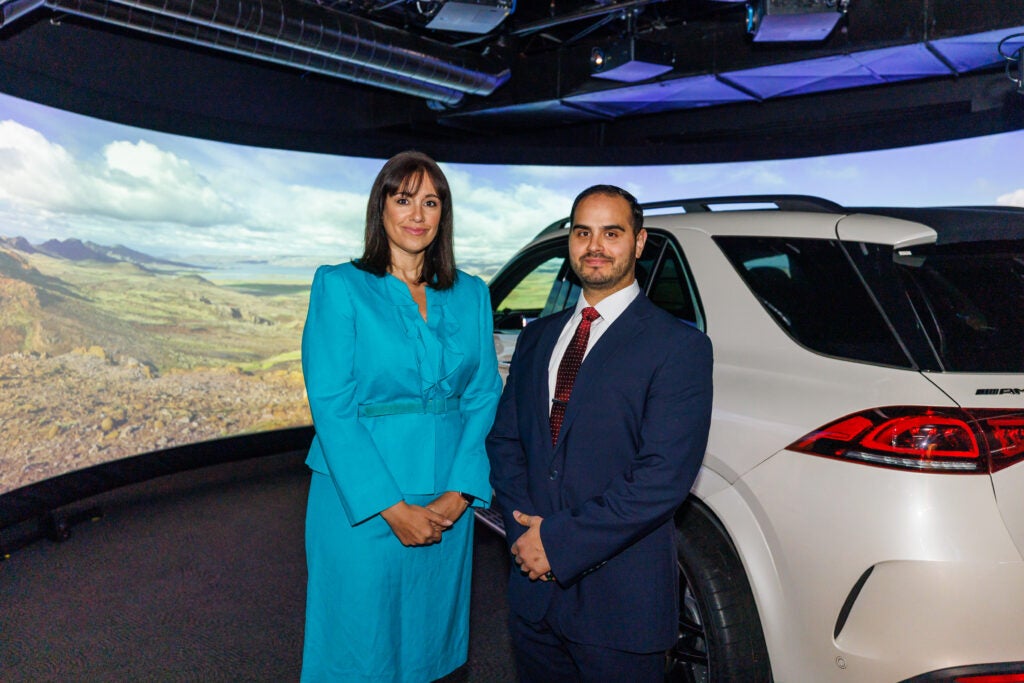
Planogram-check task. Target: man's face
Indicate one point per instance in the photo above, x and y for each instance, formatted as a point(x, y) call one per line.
point(602, 247)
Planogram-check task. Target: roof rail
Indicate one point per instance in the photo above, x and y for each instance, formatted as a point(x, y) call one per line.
point(782, 202)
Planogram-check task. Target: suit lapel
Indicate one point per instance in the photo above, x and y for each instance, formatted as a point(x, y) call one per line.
point(612, 347)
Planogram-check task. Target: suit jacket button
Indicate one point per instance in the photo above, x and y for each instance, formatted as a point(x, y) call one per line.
point(553, 475)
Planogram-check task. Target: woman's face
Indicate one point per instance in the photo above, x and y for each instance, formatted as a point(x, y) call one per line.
point(411, 219)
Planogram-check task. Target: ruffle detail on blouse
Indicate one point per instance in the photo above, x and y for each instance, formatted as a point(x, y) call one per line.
point(451, 355)
point(437, 358)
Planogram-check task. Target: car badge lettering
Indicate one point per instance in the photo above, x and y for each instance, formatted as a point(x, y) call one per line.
point(999, 392)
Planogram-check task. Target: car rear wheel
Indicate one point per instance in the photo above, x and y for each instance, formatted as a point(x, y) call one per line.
point(720, 638)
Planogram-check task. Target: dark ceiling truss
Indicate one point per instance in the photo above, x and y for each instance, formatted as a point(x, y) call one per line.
point(943, 58)
point(307, 37)
point(367, 77)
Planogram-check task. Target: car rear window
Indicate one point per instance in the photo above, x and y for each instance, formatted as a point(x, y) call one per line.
point(969, 299)
point(812, 291)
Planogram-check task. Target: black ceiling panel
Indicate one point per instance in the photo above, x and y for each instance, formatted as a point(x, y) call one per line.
point(891, 74)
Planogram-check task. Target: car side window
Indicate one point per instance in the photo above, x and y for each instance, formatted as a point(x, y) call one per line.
point(672, 286)
point(540, 282)
point(663, 274)
point(532, 286)
point(812, 292)
point(531, 294)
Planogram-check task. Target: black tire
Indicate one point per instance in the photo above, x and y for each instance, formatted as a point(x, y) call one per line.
point(720, 636)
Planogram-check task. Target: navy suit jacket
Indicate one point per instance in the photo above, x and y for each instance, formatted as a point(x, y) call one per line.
point(630, 447)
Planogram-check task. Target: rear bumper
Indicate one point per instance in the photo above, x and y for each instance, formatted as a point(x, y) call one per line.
point(923, 614)
point(946, 582)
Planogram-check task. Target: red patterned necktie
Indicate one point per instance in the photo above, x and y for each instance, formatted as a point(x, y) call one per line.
point(567, 369)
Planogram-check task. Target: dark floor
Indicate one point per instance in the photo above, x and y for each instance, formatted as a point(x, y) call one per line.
point(195, 577)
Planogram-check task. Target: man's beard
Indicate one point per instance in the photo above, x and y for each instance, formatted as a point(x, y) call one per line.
point(604, 278)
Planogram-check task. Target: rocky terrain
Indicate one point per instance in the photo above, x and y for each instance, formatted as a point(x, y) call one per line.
point(81, 408)
point(106, 358)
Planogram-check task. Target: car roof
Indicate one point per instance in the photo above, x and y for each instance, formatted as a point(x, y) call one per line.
point(800, 224)
point(961, 223)
point(815, 217)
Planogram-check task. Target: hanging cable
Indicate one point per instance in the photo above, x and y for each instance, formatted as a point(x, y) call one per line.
point(1015, 58)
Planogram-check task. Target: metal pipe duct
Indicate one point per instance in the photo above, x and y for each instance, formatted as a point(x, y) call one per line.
point(205, 36)
point(338, 36)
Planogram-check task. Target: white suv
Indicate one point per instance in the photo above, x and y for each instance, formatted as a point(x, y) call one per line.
point(859, 515)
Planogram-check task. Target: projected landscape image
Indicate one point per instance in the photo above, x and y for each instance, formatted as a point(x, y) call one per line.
point(153, 288)
point(105, 353)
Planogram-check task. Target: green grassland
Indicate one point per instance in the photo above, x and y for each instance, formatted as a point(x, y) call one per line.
point(100, 361)
point(167, 320)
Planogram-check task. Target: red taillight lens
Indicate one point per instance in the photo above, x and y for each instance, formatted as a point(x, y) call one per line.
point(1006, 439)
point(931, 436)
point(991, 678)
point(923, 439)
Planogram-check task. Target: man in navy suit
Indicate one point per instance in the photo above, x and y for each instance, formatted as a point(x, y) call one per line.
point(589, 471)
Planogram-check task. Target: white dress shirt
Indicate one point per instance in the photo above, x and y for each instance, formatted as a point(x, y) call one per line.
point(610, 308)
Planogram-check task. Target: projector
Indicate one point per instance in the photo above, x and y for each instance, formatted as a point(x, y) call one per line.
point(471, 16)
point(631, 60)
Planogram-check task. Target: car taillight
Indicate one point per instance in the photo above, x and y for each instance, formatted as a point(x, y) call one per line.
point(991, 678)
point(1006, 440)
point(974, 441)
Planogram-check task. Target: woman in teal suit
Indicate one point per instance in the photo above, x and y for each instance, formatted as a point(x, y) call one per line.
point(402, 382)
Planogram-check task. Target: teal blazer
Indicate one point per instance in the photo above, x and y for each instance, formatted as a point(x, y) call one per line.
point(401, 406)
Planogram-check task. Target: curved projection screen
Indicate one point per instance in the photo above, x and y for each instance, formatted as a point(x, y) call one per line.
point(153, 288)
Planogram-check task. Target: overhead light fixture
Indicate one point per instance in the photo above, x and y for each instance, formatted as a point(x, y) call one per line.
point(471, 16)
point(793, 20)
point(631, 60)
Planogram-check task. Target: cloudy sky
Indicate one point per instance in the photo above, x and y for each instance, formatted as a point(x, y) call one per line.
point(63, 175)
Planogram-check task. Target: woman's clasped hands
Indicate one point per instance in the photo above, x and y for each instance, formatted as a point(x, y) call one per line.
point(415, 525)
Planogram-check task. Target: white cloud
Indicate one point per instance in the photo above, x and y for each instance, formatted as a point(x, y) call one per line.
point(828, 169)
point(1015, 198)
point(33, 170)
point(149, 197)
point(141, 182)
point(690, 175)
point(581, 175)
point(131, 182)
point(169, 195)
point(147, 163)
point(492, 222)
point(758, 177)
point(725, 179)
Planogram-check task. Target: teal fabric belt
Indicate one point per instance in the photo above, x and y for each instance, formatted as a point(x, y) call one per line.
point(435, 406)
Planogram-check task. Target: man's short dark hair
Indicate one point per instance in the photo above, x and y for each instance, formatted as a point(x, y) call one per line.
point(636, 213)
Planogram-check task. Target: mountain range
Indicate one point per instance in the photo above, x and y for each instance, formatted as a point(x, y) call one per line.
point(73, 249)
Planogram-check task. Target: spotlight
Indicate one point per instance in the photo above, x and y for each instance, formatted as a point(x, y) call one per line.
point(793, 20)
point(630, 60)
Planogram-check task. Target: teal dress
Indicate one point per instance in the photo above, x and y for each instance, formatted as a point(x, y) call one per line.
point(401, 407)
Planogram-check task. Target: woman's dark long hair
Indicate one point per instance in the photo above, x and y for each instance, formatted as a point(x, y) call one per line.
point(404, 172)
